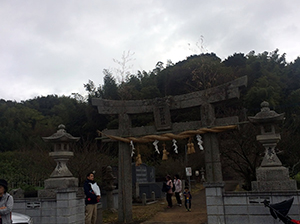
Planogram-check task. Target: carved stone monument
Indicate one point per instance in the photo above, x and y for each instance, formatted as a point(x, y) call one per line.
point(108, 180)
point(271, 175)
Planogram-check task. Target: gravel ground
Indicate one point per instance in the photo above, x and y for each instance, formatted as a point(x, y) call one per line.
point(180, 215)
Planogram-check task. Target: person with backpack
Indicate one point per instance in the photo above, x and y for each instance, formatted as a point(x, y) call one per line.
point(169, 193)
point(177, 189)
point(6, 203)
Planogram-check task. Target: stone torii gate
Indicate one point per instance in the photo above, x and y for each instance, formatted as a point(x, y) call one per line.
point(161, 108)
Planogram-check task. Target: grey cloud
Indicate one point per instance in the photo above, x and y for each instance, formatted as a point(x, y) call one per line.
point(49, 48)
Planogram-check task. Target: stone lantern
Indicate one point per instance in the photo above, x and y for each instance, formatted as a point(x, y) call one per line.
point(271, 175)
point(61, 177)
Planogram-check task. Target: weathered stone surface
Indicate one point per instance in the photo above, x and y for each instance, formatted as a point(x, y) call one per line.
point(61, 136)
point(273, 179)
point(47, 193)
point(61, 183)
point(61, 158)
point(271, 175)
point(223, 92)
point(61, 154)
point(125, 184)
point(17, 193)
point(162, 116)
point(108, 179)
point(267, 186)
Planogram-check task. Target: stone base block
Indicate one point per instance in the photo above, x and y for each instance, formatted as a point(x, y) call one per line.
point(49, 193)
point(279, 173)
point(61, 183)
point(265, 186)
point(273, 179)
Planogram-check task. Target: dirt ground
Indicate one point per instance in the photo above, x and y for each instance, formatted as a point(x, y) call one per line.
point(180, 215)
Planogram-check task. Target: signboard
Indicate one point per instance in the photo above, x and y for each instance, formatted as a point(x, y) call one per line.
point(141, 174)
point(188, 171)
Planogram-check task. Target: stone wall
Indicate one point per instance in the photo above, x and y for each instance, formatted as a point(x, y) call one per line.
point(247, 207)
point(66, 207)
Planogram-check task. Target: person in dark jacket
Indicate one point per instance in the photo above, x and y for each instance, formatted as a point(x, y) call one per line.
point(93, 195)
point(6, 203)
point(188, 199)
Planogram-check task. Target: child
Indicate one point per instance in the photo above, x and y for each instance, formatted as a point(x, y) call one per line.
point(188, 199)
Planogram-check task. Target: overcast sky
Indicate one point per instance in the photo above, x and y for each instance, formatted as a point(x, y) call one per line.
point(55, 46)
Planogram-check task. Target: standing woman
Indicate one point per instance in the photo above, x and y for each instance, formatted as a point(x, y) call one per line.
point(169, 192)
point(6, 203)
point(178, 189)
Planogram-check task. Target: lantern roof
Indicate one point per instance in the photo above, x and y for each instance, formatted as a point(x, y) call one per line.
point(266, 115)
point(61, 136)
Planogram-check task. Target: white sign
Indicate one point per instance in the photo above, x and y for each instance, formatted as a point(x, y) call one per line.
point(188, 171)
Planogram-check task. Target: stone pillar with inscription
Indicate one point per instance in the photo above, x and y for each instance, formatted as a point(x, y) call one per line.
point(162, 116)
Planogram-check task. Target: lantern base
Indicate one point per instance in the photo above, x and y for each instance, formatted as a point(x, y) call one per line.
point(61, 183)
point(273, 179)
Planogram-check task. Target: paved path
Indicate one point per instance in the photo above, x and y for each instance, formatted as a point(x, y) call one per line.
point(180, 215)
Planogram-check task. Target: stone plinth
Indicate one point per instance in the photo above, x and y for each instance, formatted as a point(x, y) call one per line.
point(273, 179)
point(61, 183)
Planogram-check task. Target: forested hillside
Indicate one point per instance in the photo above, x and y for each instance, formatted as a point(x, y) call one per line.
point(22, 124)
